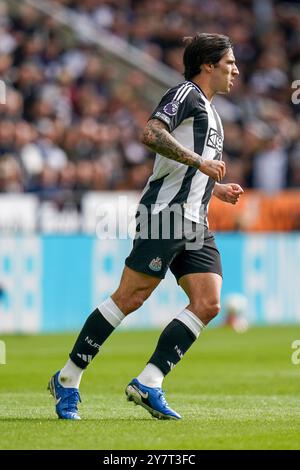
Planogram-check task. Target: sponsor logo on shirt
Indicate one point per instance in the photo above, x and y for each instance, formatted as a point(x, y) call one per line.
point(214, 140)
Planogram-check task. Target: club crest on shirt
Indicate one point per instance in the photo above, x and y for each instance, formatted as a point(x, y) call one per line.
point(214, 140)
point(171, 108)
point(155, 264)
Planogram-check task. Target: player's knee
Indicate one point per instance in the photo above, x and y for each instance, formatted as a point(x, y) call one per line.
point(206, 310)
point(136, 300)
point(215, 308)
point(129, 302)
point(212, 309)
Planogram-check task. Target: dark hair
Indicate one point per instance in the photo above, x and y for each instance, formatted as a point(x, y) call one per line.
point(203, 48)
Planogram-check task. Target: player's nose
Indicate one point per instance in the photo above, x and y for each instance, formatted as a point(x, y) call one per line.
point(235, 70)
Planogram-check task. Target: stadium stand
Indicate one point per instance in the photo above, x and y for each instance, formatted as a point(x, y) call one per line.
point(71, 122)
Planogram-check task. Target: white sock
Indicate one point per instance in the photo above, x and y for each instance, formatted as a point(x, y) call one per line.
point(191, 321)
point(111, 312)
point(151, 376)
point(70, 375)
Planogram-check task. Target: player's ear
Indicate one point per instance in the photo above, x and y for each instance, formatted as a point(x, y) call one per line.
point(208, 67)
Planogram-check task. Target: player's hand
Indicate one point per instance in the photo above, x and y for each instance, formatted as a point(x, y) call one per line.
point(228, 192)
point(216, 169)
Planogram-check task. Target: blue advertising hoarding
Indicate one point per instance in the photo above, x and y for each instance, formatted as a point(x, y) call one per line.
point(51, 283)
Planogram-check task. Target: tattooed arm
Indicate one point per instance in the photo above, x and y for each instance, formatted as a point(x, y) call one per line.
point(157, 137)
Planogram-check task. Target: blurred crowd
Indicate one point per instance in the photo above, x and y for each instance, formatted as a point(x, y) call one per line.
point(69, 126)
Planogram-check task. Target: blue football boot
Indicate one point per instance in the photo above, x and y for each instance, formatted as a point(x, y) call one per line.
point(150, 398)
point(66, 399)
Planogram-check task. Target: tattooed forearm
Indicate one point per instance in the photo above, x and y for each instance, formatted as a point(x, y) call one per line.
point(158, 138)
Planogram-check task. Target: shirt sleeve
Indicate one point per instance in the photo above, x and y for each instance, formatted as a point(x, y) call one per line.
point(177, 104)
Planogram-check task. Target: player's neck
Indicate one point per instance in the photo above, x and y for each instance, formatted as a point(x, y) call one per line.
point(204, 86)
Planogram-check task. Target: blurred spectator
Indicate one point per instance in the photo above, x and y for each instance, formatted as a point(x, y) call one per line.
point(71, 124)
point(235, 312)
point(10, 175)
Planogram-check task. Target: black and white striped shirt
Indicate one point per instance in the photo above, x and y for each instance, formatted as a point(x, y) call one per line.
point(194, 122)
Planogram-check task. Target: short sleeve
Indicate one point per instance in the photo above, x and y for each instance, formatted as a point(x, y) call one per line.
point(177, 104)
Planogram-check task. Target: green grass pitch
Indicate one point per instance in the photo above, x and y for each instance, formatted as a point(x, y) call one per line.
point(233, 391)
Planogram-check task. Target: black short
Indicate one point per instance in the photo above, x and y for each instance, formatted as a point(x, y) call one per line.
point(185, 247)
